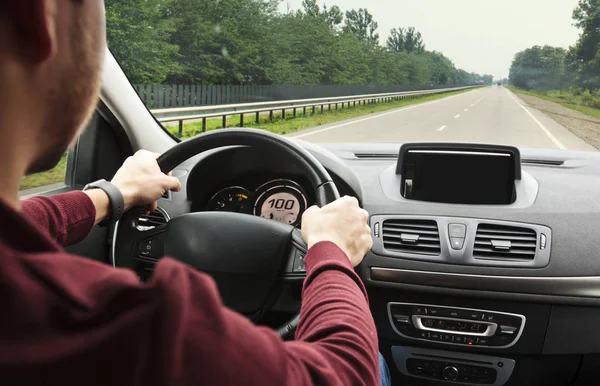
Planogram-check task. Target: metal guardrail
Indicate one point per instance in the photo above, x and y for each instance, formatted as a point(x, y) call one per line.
point(203, 113)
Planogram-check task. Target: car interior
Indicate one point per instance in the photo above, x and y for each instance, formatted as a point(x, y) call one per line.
point(484, 268)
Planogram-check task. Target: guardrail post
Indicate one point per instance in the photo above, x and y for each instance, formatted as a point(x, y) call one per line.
point(271, 115)
point(336, 106)
point(204, 125)
point(329, 107)
point(294, 112)
point(180, 128)
point(322, 108)
point(283, 114)
point(224, 121)
point(242, 120)
point(304, 110)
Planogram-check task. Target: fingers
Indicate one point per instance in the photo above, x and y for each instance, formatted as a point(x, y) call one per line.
point(152, 206)
point(171, 183)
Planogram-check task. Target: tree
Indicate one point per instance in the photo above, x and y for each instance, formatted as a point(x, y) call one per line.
point(362, 25)
point(251, 42)
point(539, 68)
point(409, 40)
point(586, 53)
point(413, 41)
point(138, 34)
point(396, 40)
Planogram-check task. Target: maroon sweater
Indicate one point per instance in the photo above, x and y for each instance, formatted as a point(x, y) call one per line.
point(67, 320)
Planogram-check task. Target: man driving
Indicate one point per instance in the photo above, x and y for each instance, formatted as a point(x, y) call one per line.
point(67, 320)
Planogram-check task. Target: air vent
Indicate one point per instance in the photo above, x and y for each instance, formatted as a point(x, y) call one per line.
point(546, 162)
point(411, 236)
point(166, 195)
point(376, 155)
point(152, 220)
point(501, 242)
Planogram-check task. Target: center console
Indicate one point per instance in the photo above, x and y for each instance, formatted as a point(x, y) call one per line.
point(456, 326)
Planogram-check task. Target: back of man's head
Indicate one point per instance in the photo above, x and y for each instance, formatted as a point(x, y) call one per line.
point(51, 52)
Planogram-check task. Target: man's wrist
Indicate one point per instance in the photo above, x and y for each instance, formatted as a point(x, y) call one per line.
point(116, 205)
point(128, 195)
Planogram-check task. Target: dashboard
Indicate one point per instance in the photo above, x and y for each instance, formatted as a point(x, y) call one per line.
point(453, 309)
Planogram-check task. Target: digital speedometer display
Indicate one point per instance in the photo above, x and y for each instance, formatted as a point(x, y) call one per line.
point(283, 207)
point(280, 200)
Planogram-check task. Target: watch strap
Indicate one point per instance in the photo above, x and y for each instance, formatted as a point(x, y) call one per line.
point(117, 203)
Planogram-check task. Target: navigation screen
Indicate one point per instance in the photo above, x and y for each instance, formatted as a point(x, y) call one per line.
point(457, 177)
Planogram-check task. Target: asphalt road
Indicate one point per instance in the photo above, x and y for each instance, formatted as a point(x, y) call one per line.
point(488, 115)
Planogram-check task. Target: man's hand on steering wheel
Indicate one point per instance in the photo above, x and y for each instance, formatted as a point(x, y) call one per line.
point(342, 222)
point(141, 181)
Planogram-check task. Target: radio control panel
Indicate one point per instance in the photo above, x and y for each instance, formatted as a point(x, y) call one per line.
point(455, 325)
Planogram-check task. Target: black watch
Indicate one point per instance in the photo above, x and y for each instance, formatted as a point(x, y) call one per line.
point(117, 203)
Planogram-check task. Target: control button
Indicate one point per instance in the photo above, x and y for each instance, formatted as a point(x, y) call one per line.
point(149, 248)
point(450, 373)
point(470, 340)
point(401, 318)
point(459, 339)
point(405, 329)
point(435, 336)
point(434, 311)
point(502, 340)
point(483, 341)
point(458, 314)
point(474, 315)
point(457, 230)
point(420, 310)
point(457, 243)
point(299, 263)
point(509, 330)
point(447, 337)
point(467, 378)
point(488, 317)
point(432, 365)
point(424, 335)
point(376, 230)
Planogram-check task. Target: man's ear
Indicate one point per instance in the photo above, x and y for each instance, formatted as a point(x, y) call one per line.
point(33, 25)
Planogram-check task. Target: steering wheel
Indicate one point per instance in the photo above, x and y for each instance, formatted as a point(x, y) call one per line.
point(247, 256)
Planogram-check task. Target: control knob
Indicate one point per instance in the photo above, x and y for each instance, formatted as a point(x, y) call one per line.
point(450, 373)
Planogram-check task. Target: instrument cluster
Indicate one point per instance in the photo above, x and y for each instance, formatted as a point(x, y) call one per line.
point(281, 200)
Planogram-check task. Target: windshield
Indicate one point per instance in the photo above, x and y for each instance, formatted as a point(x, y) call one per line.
point(514, 72)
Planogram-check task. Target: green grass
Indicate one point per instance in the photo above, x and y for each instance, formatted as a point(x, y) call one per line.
point(291, 124)
point(57, 174)
point(566, 99)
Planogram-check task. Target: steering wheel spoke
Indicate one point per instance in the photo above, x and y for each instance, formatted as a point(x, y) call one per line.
point(294, 269)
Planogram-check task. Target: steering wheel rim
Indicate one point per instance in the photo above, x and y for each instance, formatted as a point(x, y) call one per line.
point(324, 187)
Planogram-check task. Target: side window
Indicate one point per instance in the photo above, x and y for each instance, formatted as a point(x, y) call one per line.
point(49, 180)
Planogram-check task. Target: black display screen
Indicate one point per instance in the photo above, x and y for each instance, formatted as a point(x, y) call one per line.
point(456, 177)
point(454, 325)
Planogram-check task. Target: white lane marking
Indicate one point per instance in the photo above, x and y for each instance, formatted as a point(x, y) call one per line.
point(472, 105)
point(377, 116)
point(441, 128)
point(544, 129)
point(466, 109)
point(458, 116)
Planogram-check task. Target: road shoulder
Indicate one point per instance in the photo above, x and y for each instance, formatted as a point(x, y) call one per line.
point(583, 126)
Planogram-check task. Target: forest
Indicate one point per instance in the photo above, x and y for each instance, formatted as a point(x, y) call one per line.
point(254, 42)
point(575, 70)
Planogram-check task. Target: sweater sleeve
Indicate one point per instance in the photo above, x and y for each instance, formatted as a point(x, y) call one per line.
point(67, 218)
point(336, 339)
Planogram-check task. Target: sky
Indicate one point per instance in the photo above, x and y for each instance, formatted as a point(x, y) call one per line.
point(477, 35)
